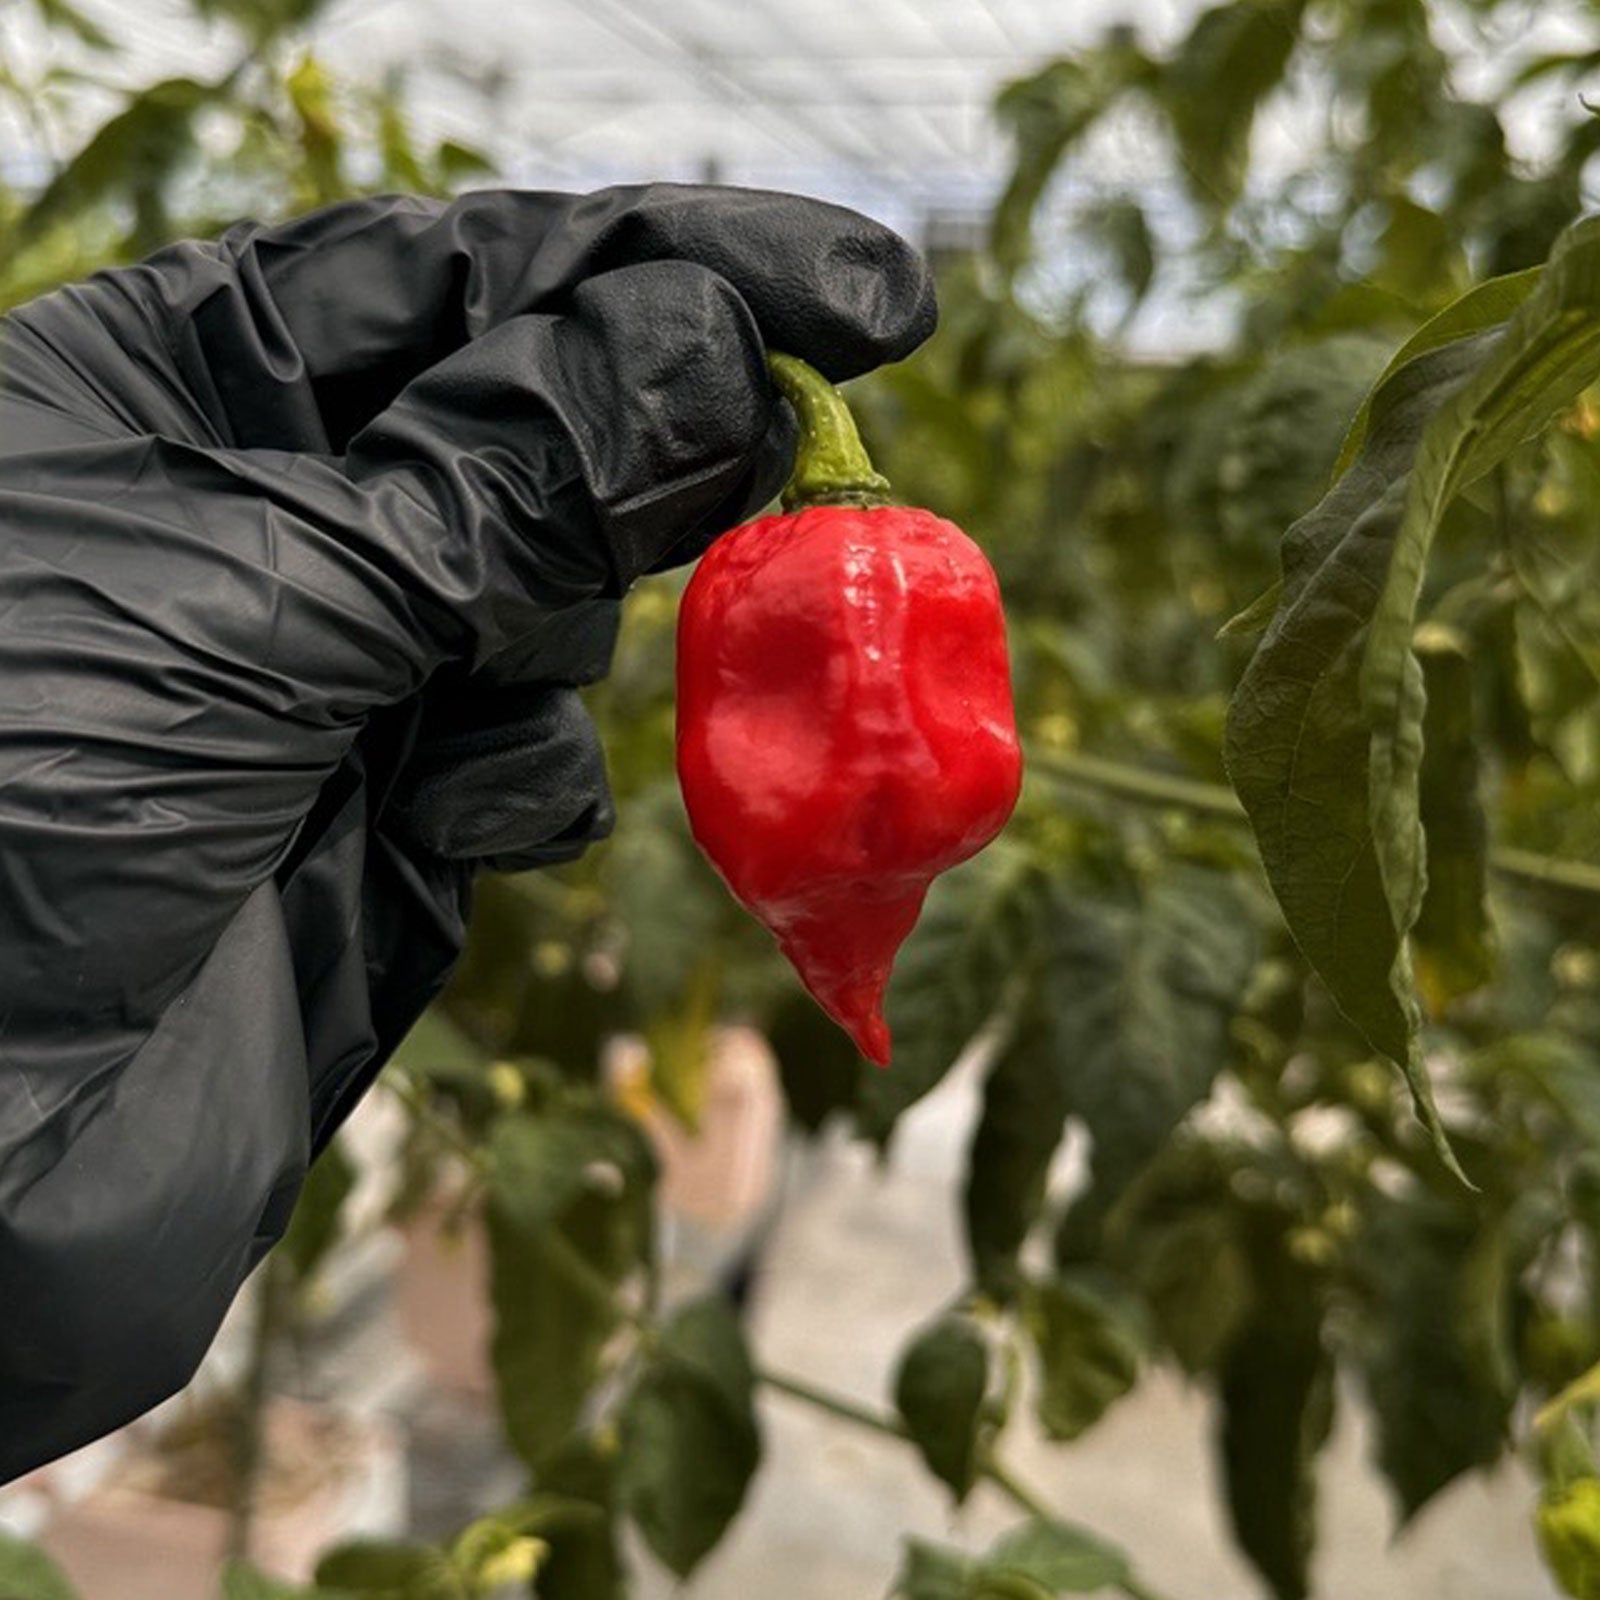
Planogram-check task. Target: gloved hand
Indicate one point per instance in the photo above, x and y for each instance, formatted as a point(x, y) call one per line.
point(307, 537)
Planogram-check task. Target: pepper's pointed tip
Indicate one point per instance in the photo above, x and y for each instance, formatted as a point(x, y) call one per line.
point(871, 1035)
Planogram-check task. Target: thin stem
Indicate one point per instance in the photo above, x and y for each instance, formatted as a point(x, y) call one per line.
point(831, 465)
point(1017, 1492)
point(834, 1405)
point(1212, 799)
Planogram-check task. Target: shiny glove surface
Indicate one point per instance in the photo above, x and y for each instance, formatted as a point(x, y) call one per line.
point(309, 537)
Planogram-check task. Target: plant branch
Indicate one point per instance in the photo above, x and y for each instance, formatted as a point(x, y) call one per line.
point(991, 1468)
point(1214, 800)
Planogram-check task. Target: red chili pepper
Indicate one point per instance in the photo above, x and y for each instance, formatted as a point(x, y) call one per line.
point(845, 729)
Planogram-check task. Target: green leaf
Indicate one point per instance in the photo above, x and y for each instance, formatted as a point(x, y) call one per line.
point(690, 1444)
point(1039, 1560)
point(1255, 616)
point(1276, 1391)
point(1435, 1342)
point(1062, 1558)
point(1453, 940)
point(1142, 998)
point(1088, 1352)
point(1233, 57)
point(569, 1218)
point(1024, 1110)
point(975, 933)
point(1325, 731)
point(376, 1569)
point(27, 1573)
point(938, 1391)
point(455, 161)
point(818, 1065)
point(131, 157)
point(1045, 115)
point(934, 1572)
point(314, 1227)
point(1486, 306)
point(584, 1562)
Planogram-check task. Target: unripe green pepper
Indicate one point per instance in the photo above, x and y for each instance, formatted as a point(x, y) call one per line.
point(845, 726)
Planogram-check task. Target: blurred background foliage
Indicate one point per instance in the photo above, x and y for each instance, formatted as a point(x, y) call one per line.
point(1260, 1208)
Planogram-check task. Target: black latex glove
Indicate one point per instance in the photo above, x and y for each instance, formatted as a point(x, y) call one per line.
point(306, 537)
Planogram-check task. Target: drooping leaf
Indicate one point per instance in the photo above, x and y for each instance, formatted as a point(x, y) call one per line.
point(1435, 1348)
point(1088, 1351)
point(27, 1573)
point(1024, 1108)
point(690, 1444)
point(975, 935)
point(1276, 1391)
point(1325, 730)
point(1233, 57)
point(1453, 938)
point(818, 1065)
point(1486, 306)
point(938, 1390)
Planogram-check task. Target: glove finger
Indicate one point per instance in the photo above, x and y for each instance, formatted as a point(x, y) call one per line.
point(505, 776)
point(642, 419)
point(354, 301)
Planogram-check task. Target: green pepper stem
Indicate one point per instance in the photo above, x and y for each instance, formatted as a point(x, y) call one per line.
point(831, 466)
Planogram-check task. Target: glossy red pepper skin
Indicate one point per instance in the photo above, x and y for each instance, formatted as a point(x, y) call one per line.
point(845, 732)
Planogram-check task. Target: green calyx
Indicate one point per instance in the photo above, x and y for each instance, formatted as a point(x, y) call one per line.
point(831, 467)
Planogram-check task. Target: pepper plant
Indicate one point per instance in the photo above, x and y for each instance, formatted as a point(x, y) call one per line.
point(1298, 920)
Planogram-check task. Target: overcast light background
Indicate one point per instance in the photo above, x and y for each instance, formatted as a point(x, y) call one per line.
point(880, 104)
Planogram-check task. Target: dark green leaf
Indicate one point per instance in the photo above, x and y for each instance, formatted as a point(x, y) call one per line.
point(938, 1390)
point(584, 1562)
point(1234, 56)
point(27, 1573)
point(690, 1444)
point(1453, 939)
point(1088, 1350)
point(975, 933)
point(1487, 306)
point(314, 1227)
point(1435, 1343)
point(1142, 999)
point(132, 157)
point(1024, 1109)
point(1325, 732)
point(1276, 1391)
point(1046, 115)
point(818, 1065)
